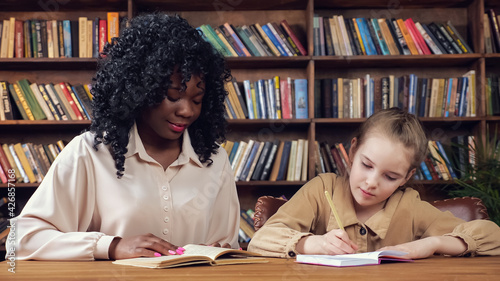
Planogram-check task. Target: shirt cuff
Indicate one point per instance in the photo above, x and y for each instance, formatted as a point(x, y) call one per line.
point(101, 251)
point(471, 244)
point(290, 246)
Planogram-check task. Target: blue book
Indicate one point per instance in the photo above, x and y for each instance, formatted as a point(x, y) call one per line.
point(413, 94)
point(446, 160)
point(462, 107)
point(233, 151)
point(273, 39)
point(284, 161)
point(426, 171)
point(67, 38)
point(260, 91)
point(231, 109)
point(380, 38)
point(248, 164)
point(301, 108)
point(365, 35)
point(448, 98)
point(248, 99)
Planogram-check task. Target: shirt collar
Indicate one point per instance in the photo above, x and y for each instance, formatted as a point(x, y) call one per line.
point(378, 223)
point(135, 146)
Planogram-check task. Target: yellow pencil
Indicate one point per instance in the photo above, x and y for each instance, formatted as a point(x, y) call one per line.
point(337, 218)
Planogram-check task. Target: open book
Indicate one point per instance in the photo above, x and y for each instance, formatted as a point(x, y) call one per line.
point(368, 258)
point(197, 254)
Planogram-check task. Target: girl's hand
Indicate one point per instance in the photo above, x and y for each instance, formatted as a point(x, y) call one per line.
point(423, 248)
point(335, 242)
point(145, 245)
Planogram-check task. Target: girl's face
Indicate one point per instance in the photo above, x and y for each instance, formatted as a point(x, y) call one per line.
point(379, 167)
point(176, 112)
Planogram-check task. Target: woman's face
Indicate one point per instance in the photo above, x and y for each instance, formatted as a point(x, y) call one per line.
point(176, 112)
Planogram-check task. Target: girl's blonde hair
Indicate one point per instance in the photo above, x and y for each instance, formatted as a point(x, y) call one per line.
point(399, 125)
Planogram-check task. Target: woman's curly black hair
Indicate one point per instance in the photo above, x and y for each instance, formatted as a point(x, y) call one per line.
point(133, 75)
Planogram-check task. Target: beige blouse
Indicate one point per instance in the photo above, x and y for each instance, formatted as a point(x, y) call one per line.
point(405, 218)
point(81, 205)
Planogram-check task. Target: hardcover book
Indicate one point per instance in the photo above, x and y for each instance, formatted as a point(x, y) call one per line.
point(197, 254)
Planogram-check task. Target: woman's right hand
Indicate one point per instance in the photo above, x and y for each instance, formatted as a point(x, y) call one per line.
point(145, 245)
point(334, 242)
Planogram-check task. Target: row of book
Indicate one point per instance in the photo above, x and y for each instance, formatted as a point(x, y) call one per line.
point(492, 90)
point(491, 25)
point(273, 98)
point(424, 97)
point(274, 161)
point(331, 158)
point(33, 101)
point(254, 40)
point(30, 162)
point(339, 36)
point(37, 38)
point(447, 162)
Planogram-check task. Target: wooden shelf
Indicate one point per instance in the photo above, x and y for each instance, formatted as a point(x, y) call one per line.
point(27, 64)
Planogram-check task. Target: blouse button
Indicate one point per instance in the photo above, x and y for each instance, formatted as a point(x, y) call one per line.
point(164, 187)
point(165, 197)
point(362, 231)
point(165, 231)
point(166, 219)
point(291, 254)
point(165, 208)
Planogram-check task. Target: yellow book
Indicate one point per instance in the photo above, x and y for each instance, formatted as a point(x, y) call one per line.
point(113, 25)
point(82, 37)
point(235, 102)
point(24, 162)
point(440, 96)
point(407, 37)
point(12, 162)
point(87, 90)
point(196, 254)
point(11, 36)
point(4, 46)
point(228, 146)
point(278, 96)
point(23, 101)
point(60, 144)
point(439, 161)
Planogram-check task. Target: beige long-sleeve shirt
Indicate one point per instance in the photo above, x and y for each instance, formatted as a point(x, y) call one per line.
point(81, 205)
point(404, 218)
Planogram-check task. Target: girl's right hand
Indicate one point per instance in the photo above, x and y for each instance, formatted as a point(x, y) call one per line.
point(334, 242)
point(145, 245)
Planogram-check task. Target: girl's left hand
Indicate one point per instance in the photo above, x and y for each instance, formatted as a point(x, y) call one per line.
point(418, 249)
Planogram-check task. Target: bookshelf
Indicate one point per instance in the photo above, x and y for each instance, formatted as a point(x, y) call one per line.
point(466, 15)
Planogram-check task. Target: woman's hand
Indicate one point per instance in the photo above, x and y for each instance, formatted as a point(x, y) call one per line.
point(145, 245)
point(335, 242)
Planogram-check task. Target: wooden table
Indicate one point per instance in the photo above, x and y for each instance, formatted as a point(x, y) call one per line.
point(436, 268)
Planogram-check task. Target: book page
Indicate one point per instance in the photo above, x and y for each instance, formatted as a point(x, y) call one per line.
point(212, 252)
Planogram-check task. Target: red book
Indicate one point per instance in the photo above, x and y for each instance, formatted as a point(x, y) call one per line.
point(103, 34)
point(419, 40)
point(295, 40)
point(5, 167)
point(285, 99)
point(71, 102)
point(19, 39)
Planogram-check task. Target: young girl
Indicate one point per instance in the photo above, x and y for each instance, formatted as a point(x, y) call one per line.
point(149, 176)
point(375, 209)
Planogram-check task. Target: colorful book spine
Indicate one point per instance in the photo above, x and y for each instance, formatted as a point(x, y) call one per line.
point(301, 103)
